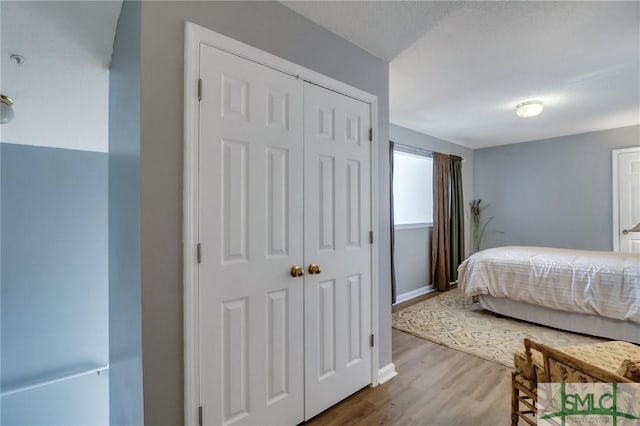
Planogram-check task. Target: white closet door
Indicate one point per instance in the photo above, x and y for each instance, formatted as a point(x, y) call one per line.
point(250, 225)
point(337, 223)
point(629, 200)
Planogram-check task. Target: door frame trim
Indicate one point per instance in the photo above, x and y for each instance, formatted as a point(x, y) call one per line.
point(195, 35)
point(615, 193)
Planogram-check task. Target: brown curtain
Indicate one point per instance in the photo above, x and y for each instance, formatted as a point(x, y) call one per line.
point(392, 231)
point(457, 217)
point(440, 237)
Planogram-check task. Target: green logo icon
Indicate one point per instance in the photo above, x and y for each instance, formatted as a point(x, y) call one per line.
point(589, 403)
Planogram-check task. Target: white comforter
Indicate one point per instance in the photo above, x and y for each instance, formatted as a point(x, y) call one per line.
point(589, 282)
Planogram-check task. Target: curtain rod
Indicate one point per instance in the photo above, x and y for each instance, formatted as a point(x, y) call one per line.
point(423, 150)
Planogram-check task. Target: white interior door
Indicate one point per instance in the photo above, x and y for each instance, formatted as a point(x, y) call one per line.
point(337, 224)
point(628, 162)
point(250, 228)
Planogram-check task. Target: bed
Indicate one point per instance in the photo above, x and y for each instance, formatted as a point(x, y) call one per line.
point(589, 292)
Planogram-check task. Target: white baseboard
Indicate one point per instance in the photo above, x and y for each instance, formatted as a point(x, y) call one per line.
point(414, 293)
point(387, 373)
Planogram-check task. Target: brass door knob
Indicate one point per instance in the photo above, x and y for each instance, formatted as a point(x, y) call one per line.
point(634, 229)
point(314, 269)
point(296, 271)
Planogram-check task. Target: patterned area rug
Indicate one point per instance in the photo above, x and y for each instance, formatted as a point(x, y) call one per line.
point(450, 319)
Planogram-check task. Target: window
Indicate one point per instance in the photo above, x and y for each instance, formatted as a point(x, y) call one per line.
point(412, 189)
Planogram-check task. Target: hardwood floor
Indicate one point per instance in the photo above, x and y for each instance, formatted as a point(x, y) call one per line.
point(435, 385)
point(400, 306)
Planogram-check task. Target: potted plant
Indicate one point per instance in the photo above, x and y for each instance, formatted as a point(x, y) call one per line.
point(478, 224)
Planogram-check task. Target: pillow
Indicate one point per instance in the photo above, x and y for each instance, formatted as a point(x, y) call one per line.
point(630, 369)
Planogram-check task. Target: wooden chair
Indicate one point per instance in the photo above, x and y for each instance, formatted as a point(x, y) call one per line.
point(524, 390)
point(557, 367)
point(560, 367)
point(521, 395)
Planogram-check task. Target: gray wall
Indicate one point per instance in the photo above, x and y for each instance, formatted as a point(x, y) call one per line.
point(409, 244)
point(553, 192)
point(125, 308)
point(278, 30)
point(54, 284)
point(413, 259)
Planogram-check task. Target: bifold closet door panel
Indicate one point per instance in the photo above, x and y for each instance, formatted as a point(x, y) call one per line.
point(251, 231)
point(337, 207)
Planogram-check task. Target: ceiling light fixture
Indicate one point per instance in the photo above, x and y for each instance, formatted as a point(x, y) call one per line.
point(529, 109)
point(6, 109)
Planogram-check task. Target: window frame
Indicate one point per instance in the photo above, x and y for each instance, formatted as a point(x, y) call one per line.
point(417, 225)
point(421, 153)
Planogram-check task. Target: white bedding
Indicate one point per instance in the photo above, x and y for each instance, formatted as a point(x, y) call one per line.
point(589, 282)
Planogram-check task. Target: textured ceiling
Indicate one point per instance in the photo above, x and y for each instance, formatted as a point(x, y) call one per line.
point(383, 28)
point(466, 65)
point(61, 91)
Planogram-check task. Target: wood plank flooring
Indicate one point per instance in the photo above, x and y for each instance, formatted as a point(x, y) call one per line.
point(435, 385)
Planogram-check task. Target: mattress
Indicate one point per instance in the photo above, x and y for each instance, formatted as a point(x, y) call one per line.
point(587, 282)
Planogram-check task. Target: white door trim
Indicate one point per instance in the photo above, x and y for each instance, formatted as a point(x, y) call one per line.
point(614, 177)
point(190, 229)
point(194, 36)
